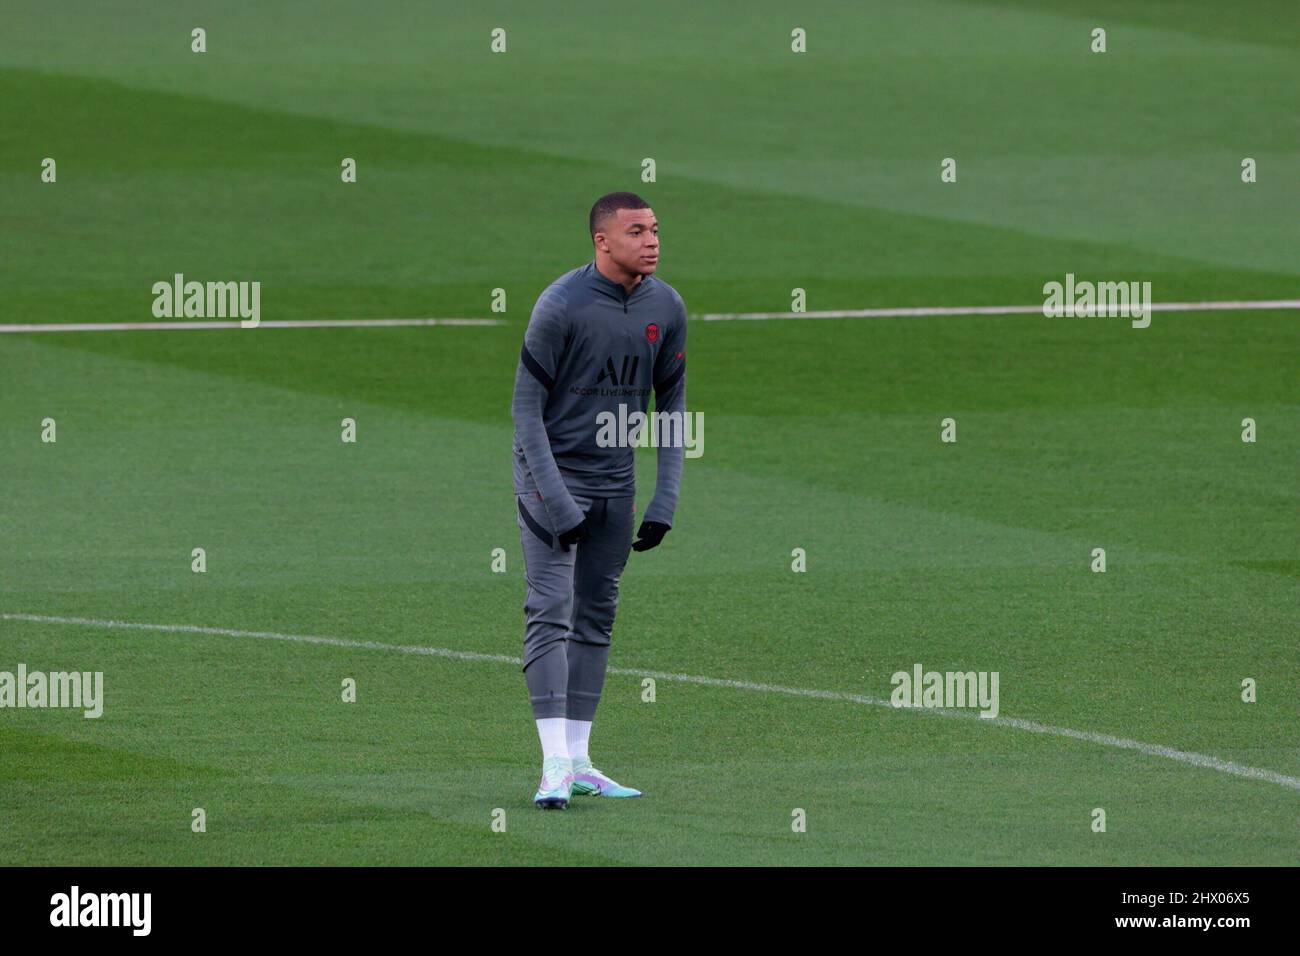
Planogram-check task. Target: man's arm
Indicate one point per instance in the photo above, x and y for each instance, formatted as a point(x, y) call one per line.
point(544, 343)
point(670, 396)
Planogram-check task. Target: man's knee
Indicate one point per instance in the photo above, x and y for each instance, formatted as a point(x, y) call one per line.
point(548, 605)
point(594, 621)
point(547, 616)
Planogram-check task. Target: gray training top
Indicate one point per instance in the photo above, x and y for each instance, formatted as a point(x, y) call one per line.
point(590, 346)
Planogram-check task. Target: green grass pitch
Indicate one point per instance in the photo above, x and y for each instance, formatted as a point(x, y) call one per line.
point(775, 170)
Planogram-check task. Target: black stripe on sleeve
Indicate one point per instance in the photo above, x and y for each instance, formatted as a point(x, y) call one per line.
point(535, 367)
point(671, 380)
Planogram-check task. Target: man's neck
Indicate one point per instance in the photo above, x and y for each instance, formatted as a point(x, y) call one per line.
point(628, 280)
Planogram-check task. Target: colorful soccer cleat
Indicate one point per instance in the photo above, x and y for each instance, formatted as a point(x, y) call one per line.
point(588, 781)
point(556, 785)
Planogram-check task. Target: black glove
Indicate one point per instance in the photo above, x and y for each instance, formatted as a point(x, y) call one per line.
point(649, 535)
point(575, 534)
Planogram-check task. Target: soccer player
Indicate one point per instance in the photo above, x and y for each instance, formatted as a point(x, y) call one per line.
point(600, 336)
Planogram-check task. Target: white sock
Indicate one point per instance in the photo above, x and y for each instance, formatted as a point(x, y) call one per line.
point(578, 733)
point(551, 732)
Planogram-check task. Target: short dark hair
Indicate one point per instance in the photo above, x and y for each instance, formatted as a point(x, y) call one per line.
point(611, 203)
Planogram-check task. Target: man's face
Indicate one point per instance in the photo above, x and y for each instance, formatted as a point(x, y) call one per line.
point(631, 237)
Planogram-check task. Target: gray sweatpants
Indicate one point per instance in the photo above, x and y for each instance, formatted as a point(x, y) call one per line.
point(571, 601)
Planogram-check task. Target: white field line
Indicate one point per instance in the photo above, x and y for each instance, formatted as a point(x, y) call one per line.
point(234, 324)
point(1252, 304)
point(921, 311)
point(1105, 740)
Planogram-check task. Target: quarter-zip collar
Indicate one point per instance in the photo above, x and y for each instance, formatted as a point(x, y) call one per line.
point(616, 290)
